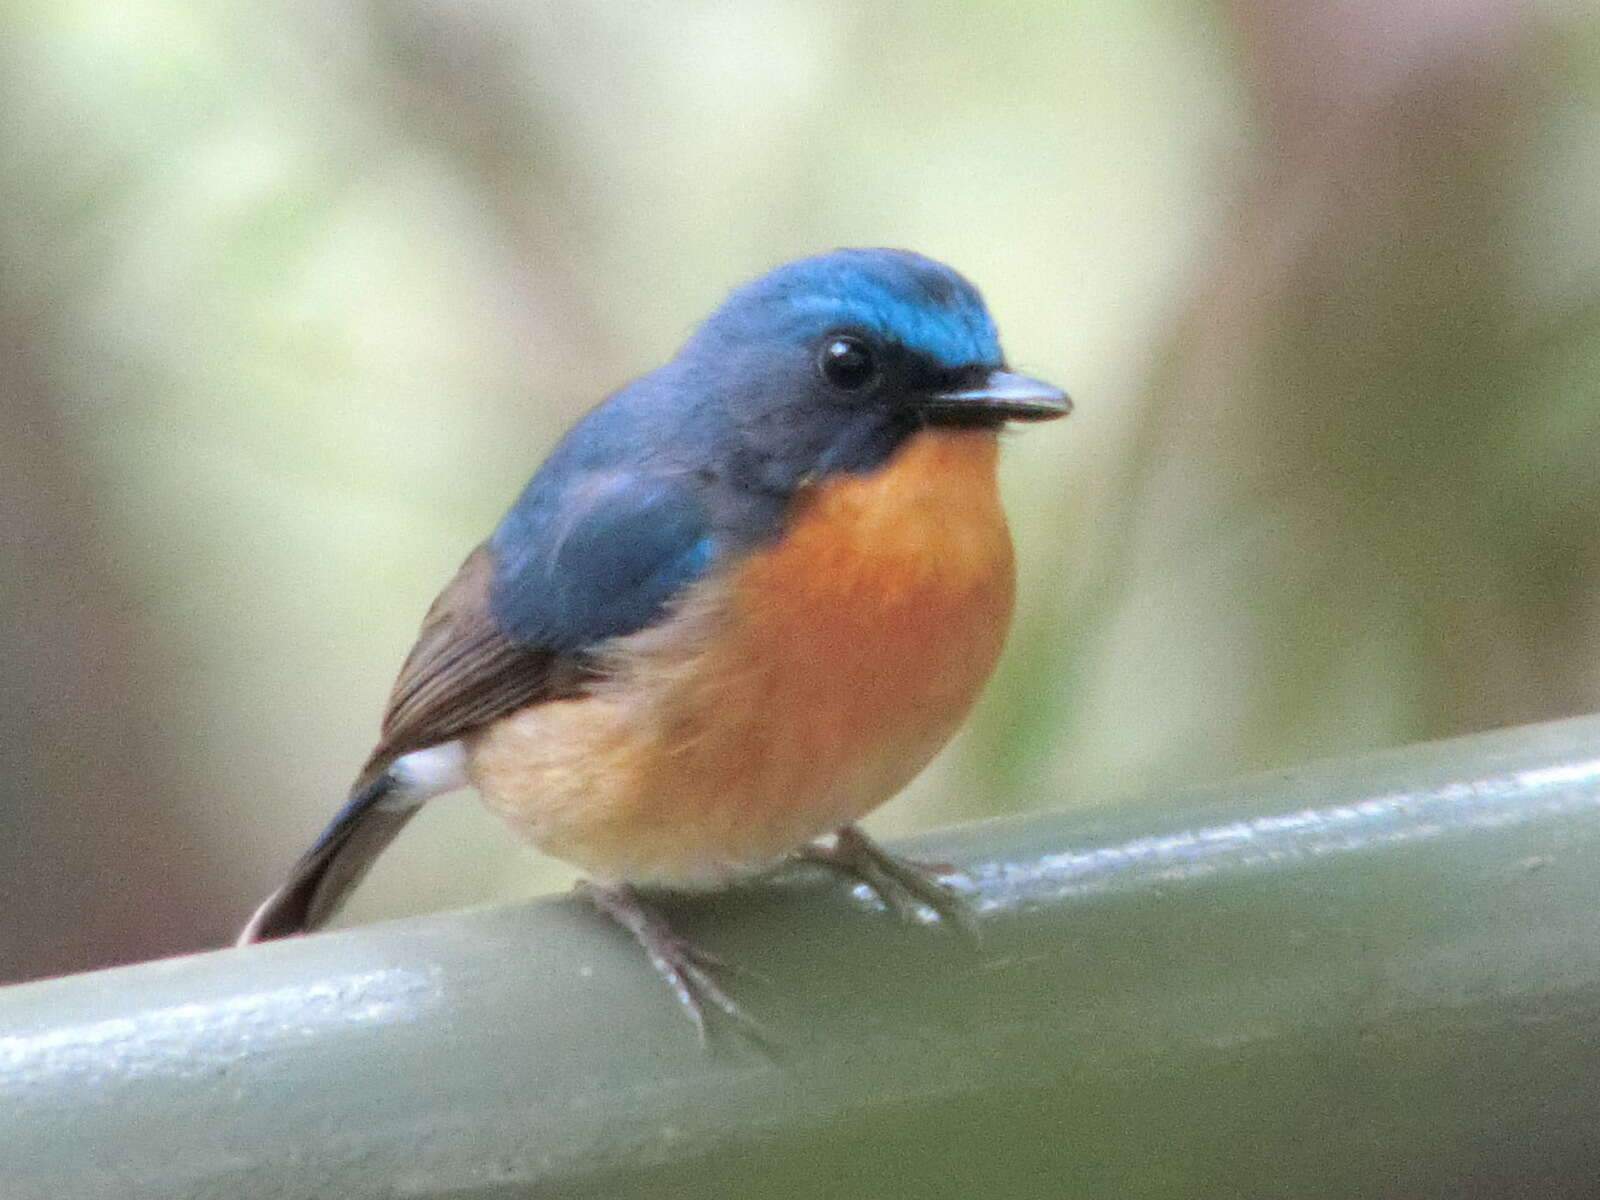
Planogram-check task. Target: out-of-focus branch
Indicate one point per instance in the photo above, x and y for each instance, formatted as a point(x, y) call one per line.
point(102, 841)
point(1350, 367)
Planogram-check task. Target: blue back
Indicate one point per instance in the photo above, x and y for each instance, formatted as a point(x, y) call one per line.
point(694, 464)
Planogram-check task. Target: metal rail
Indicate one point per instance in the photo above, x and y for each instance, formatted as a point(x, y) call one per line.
point(1376, 977)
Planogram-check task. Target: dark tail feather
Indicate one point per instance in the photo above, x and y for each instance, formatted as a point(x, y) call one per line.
point(333, 866)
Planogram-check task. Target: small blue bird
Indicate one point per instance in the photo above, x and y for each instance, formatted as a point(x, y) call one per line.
point(742, 603)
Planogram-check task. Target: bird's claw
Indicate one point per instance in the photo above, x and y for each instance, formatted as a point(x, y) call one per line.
point(689, 970)
point(901, 884)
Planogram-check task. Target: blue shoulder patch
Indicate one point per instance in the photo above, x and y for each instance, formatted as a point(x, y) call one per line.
point(595, 556)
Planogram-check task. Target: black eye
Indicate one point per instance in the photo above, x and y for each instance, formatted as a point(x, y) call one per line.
point(846, 363)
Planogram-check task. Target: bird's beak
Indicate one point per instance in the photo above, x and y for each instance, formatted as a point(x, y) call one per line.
point(1001, 396)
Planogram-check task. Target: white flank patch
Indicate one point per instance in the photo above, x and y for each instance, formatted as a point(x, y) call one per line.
point(424, 774)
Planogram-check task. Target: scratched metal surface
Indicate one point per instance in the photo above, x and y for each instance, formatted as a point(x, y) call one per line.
point(1373, 978)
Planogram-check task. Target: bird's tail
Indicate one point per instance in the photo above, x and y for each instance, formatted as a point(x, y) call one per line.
point(338, 859)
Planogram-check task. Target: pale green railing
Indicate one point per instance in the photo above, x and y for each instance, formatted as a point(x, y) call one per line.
point(1368, 978)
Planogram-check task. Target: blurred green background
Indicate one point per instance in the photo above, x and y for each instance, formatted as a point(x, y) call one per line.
point(294, 296)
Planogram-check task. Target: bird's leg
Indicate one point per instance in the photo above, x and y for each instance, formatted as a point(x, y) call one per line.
point(688, 969)
point(898, 882)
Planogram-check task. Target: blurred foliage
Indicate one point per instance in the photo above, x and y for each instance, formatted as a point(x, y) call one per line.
point(293, 297)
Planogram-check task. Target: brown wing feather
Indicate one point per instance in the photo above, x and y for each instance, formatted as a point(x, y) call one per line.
point(463, 671)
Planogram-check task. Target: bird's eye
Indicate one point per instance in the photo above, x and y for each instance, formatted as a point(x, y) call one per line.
point(846, 363)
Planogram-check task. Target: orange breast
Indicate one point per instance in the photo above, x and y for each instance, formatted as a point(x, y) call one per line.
point(787, 698)
point(881, 613)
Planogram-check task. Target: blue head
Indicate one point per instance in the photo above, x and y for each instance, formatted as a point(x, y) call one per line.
point(828, 363)
point(821, 367)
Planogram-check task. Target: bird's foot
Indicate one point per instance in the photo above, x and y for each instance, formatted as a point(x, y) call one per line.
point(689, 970)
point(901, 884)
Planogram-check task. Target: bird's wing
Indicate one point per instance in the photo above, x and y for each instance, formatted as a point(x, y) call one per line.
point(596, 559)
point(464, 670)
point(581, 558)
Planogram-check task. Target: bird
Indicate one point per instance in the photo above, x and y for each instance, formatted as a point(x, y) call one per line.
point(743, 602)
